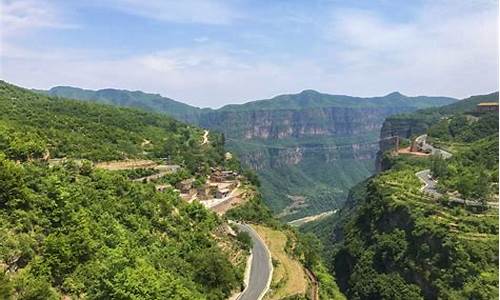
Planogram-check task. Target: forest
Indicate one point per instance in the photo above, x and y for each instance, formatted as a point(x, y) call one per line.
point(392, 241)
point(71, 230)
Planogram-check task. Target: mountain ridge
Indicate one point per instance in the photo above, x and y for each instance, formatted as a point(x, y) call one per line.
point(319, 137)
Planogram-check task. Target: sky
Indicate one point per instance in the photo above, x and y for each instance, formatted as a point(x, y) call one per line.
point(215, 52)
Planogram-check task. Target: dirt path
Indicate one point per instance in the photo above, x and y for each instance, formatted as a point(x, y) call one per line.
point(308, 219)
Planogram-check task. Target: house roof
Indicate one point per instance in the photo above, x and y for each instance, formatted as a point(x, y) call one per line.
point(488, 104)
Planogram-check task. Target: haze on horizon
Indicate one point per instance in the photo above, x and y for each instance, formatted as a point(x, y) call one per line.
point(215, 52)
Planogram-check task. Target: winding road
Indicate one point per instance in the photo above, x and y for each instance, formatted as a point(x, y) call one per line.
point(261, 267)
point(426, 147)
point(430, 184)
point(430, 188)
point(205, 137)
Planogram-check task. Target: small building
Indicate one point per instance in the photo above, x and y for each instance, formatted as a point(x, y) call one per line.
point(219, 176)
point(222, 193)
point(487, 107)
point(185, 186)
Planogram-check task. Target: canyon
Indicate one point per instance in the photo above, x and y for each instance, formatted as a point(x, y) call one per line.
point(310, 145)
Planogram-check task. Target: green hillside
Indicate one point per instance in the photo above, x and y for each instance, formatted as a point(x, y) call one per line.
point(70, 230)
point(392, 241)
point(422, 119)
point(315, 99)
point(137, 99)
point(308, 145)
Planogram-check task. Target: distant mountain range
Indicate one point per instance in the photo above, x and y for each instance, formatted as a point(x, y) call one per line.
point(308, 148)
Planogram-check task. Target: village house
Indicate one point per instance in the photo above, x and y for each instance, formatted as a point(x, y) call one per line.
point(220, 176)
point(185, 186)
point(222, 193)
point(486, 107)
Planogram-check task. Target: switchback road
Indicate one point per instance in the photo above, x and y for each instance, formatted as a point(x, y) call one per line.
point(430, 188)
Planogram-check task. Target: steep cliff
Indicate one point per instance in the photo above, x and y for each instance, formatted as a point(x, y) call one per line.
point(391, 240)
point(411, 125)
point(308, 148)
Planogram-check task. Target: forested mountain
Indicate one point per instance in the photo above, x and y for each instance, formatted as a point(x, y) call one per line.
point(308, 148)
point(394, 240)
point(407, 125)
point(137, 99)
point(72, 231)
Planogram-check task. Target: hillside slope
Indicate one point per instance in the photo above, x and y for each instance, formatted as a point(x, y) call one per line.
point(137, 99)
point(308, 148)
point(411, 125)
point(72, 231)
point(395, 241)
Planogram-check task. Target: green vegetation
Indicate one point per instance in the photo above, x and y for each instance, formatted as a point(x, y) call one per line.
point(137, 99)
point(400, 244)
point(253, 211)
point(137, 173)
point(72, 230)
point(473, 171)
point(33, 124)
point(392, 241)
point(324, 128)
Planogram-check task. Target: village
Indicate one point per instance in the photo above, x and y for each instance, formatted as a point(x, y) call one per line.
point(220, 191)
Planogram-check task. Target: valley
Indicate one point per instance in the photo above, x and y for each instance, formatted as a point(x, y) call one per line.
point(103, 202)
point(406, 232)
point(249, 150)
point(310, 145)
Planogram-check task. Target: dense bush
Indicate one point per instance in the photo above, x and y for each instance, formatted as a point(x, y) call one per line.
point(71, 230)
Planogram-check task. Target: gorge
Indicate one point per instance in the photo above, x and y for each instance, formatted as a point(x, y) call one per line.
point(308, 148)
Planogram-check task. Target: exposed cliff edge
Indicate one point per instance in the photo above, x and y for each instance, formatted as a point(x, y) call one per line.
point(408, 126)
point(309, 145)
point(394, 240)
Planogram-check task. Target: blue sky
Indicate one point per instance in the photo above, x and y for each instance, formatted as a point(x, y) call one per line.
point(214, 52)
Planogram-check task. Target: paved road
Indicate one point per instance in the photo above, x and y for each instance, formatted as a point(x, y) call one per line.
point(260, 272)
point(430, 188)
point(422, 140)
point(205, 137)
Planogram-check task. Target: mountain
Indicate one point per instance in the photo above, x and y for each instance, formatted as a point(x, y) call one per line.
point(394, 240)
point(308, 148)
point(71, 230)
point(410, 125)
point(137, 99)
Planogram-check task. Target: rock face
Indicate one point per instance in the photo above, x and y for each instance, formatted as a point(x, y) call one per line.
point(315, 148)
point(400, 126)
point(411, 125)
point(309, 144)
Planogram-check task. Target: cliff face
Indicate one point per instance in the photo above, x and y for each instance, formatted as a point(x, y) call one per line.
point(411, 125)
point(284, 123)
point(308, 145)
point(275, 138)
point(299, 152)
point(401, 126)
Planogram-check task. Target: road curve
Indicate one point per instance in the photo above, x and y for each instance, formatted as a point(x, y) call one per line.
point(261, 267)
point(430, 188)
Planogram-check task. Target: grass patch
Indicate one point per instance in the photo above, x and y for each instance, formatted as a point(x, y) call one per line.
point(288, 275)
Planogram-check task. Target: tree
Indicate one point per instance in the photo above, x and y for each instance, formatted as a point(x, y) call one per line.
point(439, 168)
point(245, 240)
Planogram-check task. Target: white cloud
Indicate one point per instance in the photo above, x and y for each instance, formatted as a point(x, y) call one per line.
point(182, 11)
point(202, 76)
point(22, 16)
point(448, 48)
point(443, 49)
